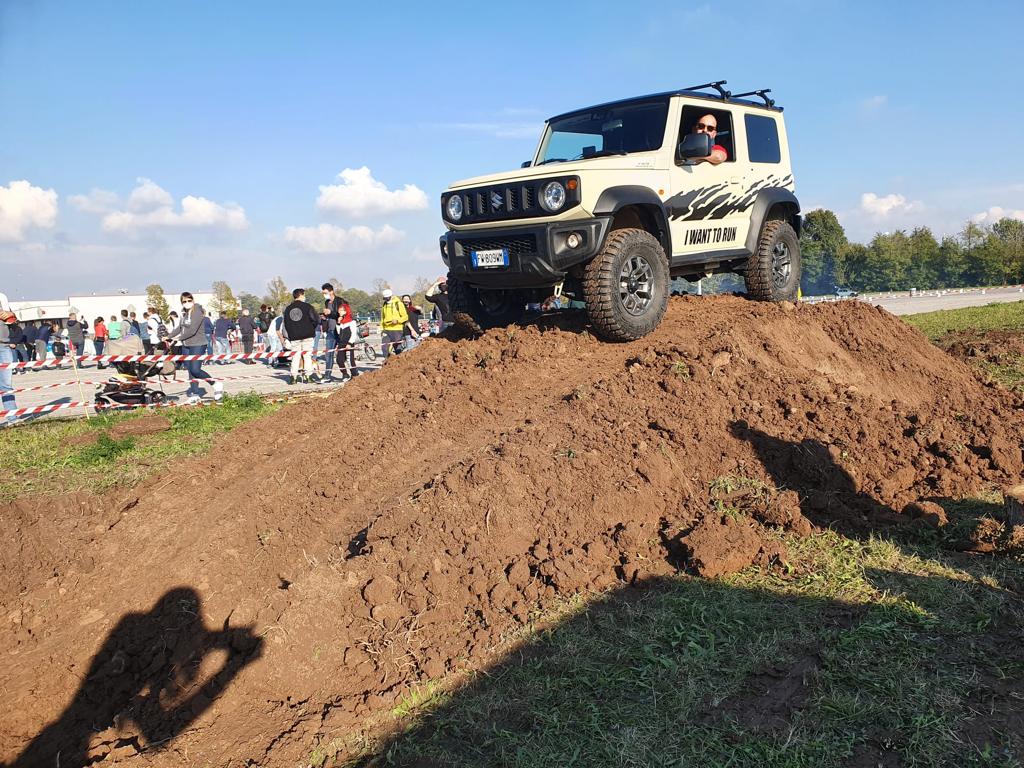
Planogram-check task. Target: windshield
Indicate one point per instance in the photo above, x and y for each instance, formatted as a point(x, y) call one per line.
point(618, 130)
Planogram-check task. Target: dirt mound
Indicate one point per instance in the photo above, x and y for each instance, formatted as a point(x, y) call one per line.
point(997, 347)
point(331, 557)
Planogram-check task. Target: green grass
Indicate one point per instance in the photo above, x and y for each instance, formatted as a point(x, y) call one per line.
point(991, 317)
point(41, 457)
point(936, 325)
point(901, 643)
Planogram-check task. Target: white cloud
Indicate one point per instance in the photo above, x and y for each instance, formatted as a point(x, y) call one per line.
point(873, 104)
point(148, 196)
point(882, 207)
point(361, 195)
point(98, 201)
point(149, 206)
point(994, 214)
point(23, 206)
point(427, 255)
point(327, 238)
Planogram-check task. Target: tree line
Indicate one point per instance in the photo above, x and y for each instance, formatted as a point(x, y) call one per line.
point(898, 261)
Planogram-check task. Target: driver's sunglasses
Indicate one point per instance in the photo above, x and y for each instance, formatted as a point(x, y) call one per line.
point(702, 127)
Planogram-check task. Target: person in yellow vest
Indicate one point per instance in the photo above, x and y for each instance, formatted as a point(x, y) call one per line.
point(393, 319)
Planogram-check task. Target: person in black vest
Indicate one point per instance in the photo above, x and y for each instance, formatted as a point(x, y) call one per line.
point(437, 294)
point(31, 334)
point(298, 330)
point(247, 327)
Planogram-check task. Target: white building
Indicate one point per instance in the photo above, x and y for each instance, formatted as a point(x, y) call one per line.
point(91, 307)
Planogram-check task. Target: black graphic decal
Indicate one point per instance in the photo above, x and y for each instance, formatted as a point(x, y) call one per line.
point(710, 203)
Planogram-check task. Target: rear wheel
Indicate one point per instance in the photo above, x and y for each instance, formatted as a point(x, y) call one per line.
point(626, 285)
point(773, 271)
point(476, 309)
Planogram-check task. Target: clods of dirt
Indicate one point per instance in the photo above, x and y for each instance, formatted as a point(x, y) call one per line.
point(407, 526)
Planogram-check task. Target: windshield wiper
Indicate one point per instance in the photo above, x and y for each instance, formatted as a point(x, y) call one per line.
point(553, 160)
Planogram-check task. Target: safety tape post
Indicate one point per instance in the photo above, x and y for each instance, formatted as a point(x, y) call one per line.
point(81, 389)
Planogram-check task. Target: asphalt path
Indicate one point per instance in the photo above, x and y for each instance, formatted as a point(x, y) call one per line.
point(929, 301)
point(238, 378)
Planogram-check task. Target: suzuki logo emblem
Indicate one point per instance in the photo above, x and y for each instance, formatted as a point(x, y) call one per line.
point(497, 201)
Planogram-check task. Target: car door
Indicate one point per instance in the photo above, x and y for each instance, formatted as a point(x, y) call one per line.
point(704, 207)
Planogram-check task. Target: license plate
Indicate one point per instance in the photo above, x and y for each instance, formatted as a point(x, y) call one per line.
point(494, 258)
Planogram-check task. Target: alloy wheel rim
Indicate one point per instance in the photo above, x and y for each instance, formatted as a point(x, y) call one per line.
point(782, 264)
point(636, 285)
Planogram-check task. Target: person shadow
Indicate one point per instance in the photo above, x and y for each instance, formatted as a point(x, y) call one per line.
point(155, 674)
point(830, 497)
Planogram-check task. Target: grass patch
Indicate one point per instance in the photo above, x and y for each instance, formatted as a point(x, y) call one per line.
point(895, 647)
point(1009, 374)
point(104, 451)
point(43, 457)
point(991, 317)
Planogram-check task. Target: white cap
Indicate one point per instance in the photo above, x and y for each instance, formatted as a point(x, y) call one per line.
point(386, 293)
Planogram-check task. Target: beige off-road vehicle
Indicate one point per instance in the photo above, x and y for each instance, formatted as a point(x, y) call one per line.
point(617, 201)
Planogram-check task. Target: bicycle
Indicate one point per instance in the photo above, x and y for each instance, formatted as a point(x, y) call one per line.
point(368, 352)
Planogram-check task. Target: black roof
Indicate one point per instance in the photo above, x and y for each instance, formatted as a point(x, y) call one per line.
point(696, 93)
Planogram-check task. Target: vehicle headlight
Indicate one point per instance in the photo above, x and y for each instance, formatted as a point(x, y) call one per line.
point(552, 196)
point(455, 207)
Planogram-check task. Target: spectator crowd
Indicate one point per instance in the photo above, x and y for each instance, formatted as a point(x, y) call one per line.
point(298, 329)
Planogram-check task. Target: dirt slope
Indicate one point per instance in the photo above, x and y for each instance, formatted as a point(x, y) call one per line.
point(328, 558)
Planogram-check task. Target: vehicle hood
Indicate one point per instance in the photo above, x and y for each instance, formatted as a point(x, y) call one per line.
point(639, 161)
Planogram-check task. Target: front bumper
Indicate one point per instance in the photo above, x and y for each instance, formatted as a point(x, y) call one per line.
point(538, 254)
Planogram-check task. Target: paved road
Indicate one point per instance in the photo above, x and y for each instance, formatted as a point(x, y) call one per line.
point(929, 301)
point(250, 378)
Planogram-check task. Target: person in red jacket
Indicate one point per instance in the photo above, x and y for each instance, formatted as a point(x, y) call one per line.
point(99, 338)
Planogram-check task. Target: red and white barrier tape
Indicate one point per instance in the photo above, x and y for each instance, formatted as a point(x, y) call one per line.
point(100, 383)
point(58, 362)
point(18, 412)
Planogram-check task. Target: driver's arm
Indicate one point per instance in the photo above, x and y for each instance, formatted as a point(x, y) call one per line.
point(717, 157)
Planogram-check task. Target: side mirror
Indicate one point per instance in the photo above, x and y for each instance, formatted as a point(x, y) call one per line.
point(526, 164)
point(695, 145)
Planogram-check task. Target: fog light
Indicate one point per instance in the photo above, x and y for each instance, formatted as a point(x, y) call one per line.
point(574, 240)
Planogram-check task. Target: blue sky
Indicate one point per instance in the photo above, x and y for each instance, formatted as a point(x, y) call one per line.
point(188, 142)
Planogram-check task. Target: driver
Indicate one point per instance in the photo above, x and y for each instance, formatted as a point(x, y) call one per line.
point(709, 125)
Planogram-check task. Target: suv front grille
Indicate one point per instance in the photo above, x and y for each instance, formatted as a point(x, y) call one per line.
point(517, 246)
point(508, 201)
point(517, 200)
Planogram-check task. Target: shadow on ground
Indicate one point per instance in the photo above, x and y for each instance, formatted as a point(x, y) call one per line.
point(155, 674)
point(879, 649)
point(688, 672)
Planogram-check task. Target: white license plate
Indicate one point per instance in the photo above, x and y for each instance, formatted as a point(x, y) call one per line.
point(495, 258)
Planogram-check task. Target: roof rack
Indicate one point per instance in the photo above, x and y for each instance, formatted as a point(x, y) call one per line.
point(717, 85)
point(762, 94)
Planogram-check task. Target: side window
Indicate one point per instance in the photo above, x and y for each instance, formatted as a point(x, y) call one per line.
point(723, 138)
point(762, 139)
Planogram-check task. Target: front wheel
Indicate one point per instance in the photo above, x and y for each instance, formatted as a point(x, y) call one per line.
point(773, 270)
point(626, 285)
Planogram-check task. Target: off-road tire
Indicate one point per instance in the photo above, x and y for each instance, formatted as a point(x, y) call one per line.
point(472, 315)
point(606, 292)
point(765, 276)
